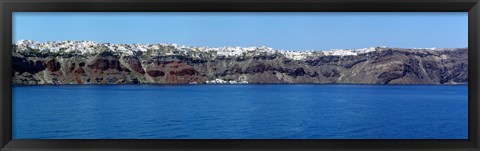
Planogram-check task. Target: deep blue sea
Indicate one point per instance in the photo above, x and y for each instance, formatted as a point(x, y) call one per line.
point(240, 112)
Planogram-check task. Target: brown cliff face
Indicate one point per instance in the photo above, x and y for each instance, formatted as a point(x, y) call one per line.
point(135, 64)
point(106, 68)
point(172, 72)
point(53, 65)
point(385, 66)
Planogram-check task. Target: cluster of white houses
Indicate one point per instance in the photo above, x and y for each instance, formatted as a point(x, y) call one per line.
point(220, 81)
point(92, 47)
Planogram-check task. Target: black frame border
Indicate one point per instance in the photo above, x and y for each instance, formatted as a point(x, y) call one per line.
point(9, 6)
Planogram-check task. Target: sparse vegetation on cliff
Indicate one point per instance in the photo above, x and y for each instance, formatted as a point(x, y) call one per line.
point(93, 63)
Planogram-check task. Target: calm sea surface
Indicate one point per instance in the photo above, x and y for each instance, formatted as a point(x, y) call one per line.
point(240, 111)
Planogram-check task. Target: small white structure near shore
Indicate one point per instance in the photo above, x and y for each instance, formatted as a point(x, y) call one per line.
point(220, 81)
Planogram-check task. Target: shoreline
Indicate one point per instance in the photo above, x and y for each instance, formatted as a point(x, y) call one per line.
point(325, 84)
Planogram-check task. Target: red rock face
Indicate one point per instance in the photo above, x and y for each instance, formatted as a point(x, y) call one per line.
point(53, 65)
point(79, 71)
point(78, 75)
point(172, 72)
point(156, 73)
point(55, 73)
point(115, 64)
point(106, 68)
point(136, 65)
point(188, 71)
point(105, 64)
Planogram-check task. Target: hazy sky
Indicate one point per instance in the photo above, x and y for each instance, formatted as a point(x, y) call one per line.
point(291, 31)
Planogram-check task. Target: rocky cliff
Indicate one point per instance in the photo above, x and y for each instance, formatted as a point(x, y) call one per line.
point(81, 62)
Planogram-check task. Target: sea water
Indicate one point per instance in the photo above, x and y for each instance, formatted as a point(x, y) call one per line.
point(240, 112)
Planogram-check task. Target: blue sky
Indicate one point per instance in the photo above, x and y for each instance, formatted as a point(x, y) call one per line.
point(290, 31)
